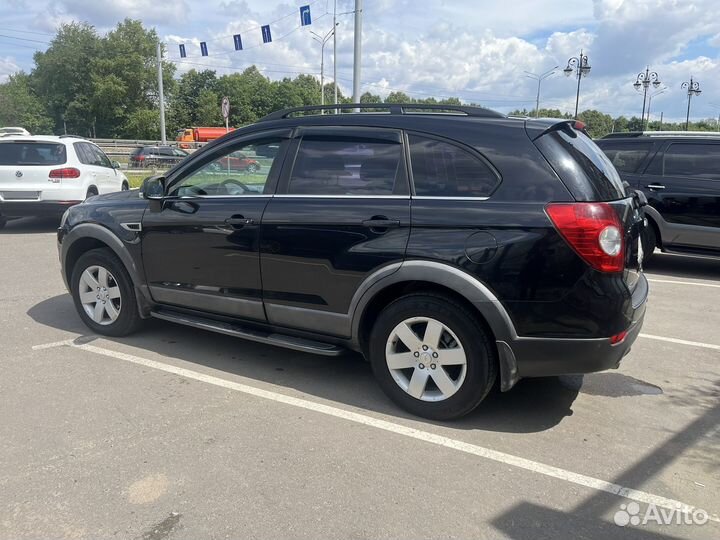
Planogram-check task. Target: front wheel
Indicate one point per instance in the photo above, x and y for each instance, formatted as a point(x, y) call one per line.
point(432, 356)
point(103, 294)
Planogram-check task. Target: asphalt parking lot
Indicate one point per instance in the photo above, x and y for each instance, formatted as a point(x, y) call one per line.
point(178, 433)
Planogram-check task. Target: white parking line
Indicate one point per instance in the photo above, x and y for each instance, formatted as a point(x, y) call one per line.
point(399, 429)
point(715, 285)
point(682, 341)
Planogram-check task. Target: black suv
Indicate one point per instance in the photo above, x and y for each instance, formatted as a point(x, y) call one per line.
point(156, 156)
point(449, 245)
point(679, 172)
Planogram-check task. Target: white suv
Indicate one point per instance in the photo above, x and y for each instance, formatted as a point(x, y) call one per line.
point(44, 175)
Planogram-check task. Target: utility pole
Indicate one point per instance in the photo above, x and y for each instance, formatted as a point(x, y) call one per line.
point(357, 51)
point(335, 52)
point(539, 79)
point(661, 120)
point(162, 95)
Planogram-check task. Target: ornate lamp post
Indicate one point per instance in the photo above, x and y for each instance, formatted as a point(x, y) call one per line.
point(643, 82)
point(581, 67)
point(693, 88)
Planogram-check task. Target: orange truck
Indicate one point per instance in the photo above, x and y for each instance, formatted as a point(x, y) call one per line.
point(199, 134)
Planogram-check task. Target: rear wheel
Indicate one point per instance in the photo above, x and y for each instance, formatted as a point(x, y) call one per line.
point(649, 242)
point(103, 294)
point(91, 192)
point(432, 356)
point(125, 186)
point(253, 168)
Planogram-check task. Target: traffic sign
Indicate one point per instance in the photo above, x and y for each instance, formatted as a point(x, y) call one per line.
point(225, 107)
point(305, 18)
point(267, 37)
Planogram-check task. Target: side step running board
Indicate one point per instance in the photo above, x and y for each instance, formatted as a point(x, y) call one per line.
point(235, 330)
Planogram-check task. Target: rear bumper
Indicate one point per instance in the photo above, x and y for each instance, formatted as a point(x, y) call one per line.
point(34, 208)
point(541, 357)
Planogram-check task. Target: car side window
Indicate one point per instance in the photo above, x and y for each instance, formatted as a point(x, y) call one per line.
point(441, 169)
point(345, 166)
point(83, 155)
point(101, 159)
point(239, 170)
point(693, 159)
point(626, 158)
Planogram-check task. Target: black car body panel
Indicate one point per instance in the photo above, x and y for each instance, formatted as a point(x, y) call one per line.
point(316, 266)
point(680, 176)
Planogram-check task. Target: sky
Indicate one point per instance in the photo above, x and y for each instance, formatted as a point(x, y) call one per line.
point(477, 50)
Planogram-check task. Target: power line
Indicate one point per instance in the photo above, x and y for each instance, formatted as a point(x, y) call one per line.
point(25, 39)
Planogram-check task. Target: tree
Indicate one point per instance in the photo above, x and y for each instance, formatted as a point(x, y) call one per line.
point(398, 97)
point(62, 77)
point(184, 105)
point(19, 106)
point(597, 123)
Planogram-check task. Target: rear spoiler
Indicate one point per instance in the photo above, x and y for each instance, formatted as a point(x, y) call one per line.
point(538, 127)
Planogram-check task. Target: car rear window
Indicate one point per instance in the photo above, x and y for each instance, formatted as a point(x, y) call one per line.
point(626, 157)
point(32, 153)
point(584, 169)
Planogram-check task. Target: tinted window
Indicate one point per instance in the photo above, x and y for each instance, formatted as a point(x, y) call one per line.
point(32, 153)
point(166, 151)
point(441, 169)
point(345, 167)
point(240, 170)
point(83, 155)
point(701, 160)
point(626, 157)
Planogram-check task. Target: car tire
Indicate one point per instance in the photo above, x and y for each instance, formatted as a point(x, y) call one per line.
point(124, 186)
point(428, 377)
point(91, 192)
point(253, 168)
point(649, 242)
point(104, 294)
point(3, 222)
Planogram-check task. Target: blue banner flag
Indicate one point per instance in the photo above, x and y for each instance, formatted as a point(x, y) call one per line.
point(182, 51)
point(238, 42)
point(203, 48)
point(267, 37)
point(305, 17)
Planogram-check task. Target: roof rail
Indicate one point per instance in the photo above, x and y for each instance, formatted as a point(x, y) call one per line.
point(660, 134)
point(70, 136)
point(392, 108)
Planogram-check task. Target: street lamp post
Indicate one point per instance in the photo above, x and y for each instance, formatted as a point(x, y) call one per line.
point(322, 40)
point(661, 91)
point(539, 79)
point(693, 88)
point(581, 67)
point(643, 82)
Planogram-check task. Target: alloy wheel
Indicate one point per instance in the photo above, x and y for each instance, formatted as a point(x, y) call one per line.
point(426, 359)
point(100, 295)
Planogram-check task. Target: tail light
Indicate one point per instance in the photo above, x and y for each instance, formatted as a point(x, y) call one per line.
point(139, 158)
point(593, 230)
point(67, 172)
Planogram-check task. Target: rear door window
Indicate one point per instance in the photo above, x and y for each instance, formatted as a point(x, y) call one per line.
point(101, 160)
point(441, 169)
point(626, 157)
point(32, 153)
point(344, 165)
point(693, 159)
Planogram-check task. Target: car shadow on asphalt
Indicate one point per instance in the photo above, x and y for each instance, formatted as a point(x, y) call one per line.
point(681, 266)
point(31, 225)
point(533, 405)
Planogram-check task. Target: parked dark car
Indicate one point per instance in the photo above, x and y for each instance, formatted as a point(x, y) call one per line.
point(156, 156)
point(679, 172)
point(450, 246)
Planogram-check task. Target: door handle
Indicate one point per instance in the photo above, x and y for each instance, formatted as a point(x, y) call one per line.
point(238, 222)
point(381, 222)
point(655, 186)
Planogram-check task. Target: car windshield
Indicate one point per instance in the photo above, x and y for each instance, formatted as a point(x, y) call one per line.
point(32, 153)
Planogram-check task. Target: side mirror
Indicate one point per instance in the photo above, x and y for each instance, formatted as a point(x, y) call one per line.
point(153, 188)
point(115, 164)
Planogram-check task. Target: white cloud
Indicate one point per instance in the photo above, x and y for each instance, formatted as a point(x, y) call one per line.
point(7, 67)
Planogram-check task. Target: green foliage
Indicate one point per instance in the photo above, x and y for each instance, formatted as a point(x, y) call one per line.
point(19, 106)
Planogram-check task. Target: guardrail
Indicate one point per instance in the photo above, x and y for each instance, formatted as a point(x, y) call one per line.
point(124, 147)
